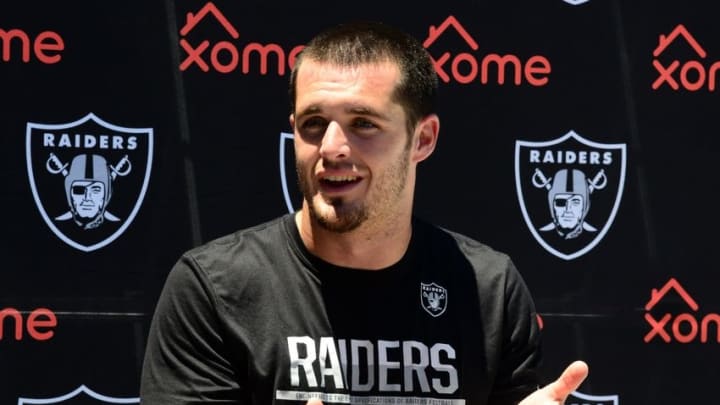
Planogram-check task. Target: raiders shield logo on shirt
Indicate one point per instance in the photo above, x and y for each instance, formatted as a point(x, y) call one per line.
point(569, 191)
point(88, 177)
point(433, 298)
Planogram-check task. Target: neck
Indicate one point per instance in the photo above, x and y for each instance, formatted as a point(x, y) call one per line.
point(368, 247)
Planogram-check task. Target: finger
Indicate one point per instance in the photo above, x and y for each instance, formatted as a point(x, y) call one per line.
point(314, 401)
point(568, 382)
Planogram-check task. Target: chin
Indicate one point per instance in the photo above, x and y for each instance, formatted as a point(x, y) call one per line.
point(338, 217)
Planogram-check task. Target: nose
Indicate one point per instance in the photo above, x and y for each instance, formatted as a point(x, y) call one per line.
point(335, 144)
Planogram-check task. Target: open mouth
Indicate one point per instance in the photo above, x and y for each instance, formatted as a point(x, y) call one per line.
point(339, 183)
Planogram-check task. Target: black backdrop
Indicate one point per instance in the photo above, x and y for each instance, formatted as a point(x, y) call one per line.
point(636, 82)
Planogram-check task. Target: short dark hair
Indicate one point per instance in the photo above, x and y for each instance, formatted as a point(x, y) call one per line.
point(358, 43)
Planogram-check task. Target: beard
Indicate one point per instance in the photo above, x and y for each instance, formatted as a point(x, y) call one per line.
point(348, 215)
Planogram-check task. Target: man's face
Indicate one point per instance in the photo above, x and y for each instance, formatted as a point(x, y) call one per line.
point(351, 144)
point(568, 210)
point(88, 197)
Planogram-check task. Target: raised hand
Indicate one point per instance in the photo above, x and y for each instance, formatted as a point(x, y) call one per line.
point(557, 391)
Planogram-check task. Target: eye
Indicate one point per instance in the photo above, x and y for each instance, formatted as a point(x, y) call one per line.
point(363, 124)
point(313, 126)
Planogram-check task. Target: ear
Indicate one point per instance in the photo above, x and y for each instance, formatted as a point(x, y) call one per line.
point(292, 121)
point(425, 137)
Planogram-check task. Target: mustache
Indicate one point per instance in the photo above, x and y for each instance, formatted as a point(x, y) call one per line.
point(337, 165)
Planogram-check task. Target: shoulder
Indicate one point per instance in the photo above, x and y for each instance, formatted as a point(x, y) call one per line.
point(246, 256)
point(491, 271)
point(237, 268)
point(243, 245)
point(454, 245)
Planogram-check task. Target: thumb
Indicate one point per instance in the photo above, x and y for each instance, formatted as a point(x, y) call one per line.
point(569, 380)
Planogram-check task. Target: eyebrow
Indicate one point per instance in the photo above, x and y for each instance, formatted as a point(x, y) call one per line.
point(357, 110)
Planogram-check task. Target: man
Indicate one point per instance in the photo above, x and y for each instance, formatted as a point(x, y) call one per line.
point(351, 299)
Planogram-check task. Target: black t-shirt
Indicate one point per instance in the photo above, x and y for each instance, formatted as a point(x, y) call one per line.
point(255, 318)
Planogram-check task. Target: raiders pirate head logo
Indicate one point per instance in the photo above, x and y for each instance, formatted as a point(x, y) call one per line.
point(569, 199)
point(81, 395)
point(569, 191)
point(433, 298)
point(578, 398)
point(88, 178)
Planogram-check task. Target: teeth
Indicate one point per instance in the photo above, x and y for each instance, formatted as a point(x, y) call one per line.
point(340, 178)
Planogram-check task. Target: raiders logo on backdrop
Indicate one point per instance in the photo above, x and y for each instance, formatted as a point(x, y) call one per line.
point(81, 395)
point(578, 398)
point(288, 176)
point(433, 298)
point(569, 191)
point(88, 177)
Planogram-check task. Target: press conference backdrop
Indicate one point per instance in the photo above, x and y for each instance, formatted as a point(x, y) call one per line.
point(173, 118)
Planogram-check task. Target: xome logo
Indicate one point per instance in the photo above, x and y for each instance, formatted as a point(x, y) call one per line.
point(225, 56)
point(466, 68)
point(691, 75)
point(685, 327)
point(46, 46)
point(39, 324)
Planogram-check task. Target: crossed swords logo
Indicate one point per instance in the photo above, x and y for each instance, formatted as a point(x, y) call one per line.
point(434, 300)
point(55, 166)
point(598, 182)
